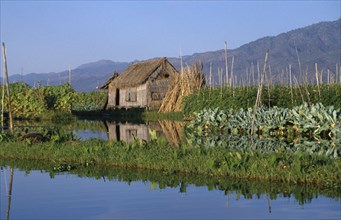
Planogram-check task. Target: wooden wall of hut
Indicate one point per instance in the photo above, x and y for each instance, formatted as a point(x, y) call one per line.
point(133, 96)
point(171, 130)
point(127, 97)
point(157, 89)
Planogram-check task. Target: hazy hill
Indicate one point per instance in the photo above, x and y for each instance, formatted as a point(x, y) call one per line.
point(86, 77)
point(318, 43)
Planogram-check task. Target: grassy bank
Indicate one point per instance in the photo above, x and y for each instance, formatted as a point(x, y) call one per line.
point(301, 168)
point(161, 180)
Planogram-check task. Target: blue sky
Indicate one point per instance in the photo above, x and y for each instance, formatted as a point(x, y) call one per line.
point(48, 36)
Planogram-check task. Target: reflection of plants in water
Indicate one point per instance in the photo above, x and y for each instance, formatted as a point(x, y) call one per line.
point(161, 180)
point(31, 135)
point(330, 148)
point(315, 129)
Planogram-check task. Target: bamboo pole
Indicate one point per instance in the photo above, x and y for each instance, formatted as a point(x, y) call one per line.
point(232, 76)
point(340, 73)
point(328, 77)
point(253, 73)
point(317, 80)
point(70, 75)
point(299, 88)
point(2, 101)
point(220, 70)
point(270, 76)
point(211, 74)
point(269, 89)
point(258, 73)
point(182, 67)
point(336, 73)
point(321, 77)
point(306, 86)
point(299, 63)
point(260, 86)
point(9, 194)
point(7, 88)
point(259, 92)
point(247, 76)
point(290, 83)
point(226, 65)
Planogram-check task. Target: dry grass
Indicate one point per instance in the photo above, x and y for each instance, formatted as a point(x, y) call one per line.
point(190, 80)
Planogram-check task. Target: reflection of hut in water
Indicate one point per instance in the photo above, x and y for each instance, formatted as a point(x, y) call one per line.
point(143, 84)
point(127, 132)
point(173, 131)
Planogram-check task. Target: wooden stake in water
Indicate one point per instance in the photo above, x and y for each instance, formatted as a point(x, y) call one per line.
point(9, 193)
point(7, 88)
point(2, 101)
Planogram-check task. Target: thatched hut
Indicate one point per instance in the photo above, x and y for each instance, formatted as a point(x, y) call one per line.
point(141, 85)
point(171, 130)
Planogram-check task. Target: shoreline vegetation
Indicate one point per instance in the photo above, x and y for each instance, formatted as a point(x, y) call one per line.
point(297, 166)
point(160, 180)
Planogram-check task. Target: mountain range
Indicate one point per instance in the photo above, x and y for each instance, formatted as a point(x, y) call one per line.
point(301, 48)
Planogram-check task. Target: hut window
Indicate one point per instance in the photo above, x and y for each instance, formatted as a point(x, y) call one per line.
point(131, 95)
point(166, 75)
point(156, 96)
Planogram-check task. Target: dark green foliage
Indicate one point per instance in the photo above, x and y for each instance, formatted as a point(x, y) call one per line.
point(58, 98)
point(26, 101)
point(245, 97)
point(90, 101)
point(46, 101)
point(318, 125)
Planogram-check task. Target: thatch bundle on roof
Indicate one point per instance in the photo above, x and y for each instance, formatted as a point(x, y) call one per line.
point(190, 80)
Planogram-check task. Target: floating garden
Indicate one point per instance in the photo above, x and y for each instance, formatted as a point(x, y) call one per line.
point(300, 144)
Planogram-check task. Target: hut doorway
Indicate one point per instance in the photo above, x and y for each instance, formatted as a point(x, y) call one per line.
point(117, 100)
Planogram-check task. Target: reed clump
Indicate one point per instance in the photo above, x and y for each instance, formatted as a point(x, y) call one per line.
point(190, 80)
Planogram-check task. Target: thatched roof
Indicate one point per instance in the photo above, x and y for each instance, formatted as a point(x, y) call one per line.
point(106, 84)
point(138, 73)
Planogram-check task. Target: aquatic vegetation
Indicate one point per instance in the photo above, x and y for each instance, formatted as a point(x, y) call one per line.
point(89, 101)
point(280, 165)
point(42, 102)
point(161, 180)
point(318, 126)
point(58, 98)
point(34, 135)
point(243, 97)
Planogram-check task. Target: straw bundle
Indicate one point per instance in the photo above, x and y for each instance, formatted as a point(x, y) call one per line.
point(190, 80)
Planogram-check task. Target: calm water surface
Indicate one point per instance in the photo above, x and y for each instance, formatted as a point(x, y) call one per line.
point(35, 195)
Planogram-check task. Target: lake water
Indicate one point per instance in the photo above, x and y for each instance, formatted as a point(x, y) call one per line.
point(127, 194)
